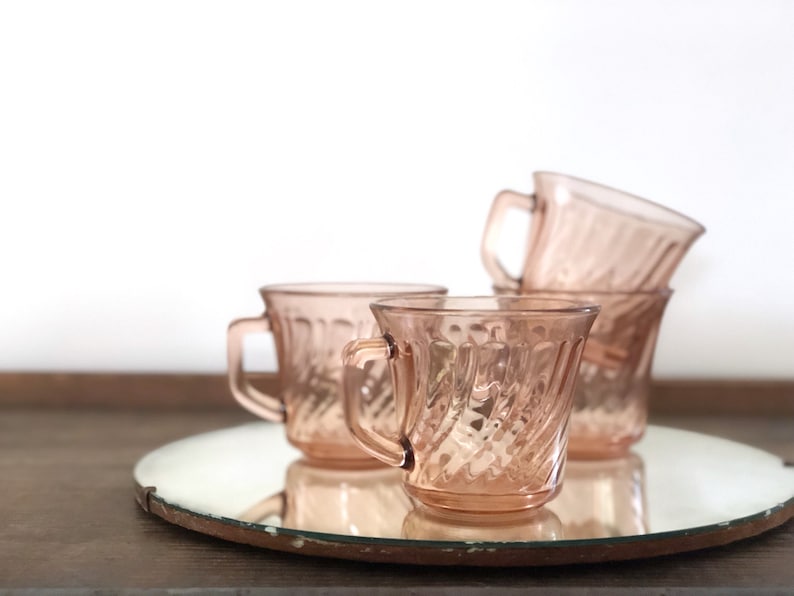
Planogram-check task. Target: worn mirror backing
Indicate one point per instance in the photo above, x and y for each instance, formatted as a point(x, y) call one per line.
point(676, 491)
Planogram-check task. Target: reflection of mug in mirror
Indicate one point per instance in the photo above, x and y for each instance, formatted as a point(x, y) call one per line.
point(585, 235)
point(348, 501)
point(424, 523)
point(311, 323)
point(603, 498)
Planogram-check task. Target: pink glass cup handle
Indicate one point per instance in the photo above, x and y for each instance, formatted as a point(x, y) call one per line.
point(355, 354)
point(502, 203)
point(252, 399)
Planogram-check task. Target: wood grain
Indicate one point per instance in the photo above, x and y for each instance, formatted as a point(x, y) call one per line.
point(113, 390)
point(123, 390)
point(725, 396)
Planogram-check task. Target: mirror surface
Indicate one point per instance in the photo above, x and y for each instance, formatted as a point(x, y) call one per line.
point(672, 482)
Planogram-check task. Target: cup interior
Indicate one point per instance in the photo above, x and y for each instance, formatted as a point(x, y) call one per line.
point(352, 289)
point(563, 188)
point(517, 304)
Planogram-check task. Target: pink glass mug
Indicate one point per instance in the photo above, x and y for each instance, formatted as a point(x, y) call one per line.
point(585, 235)
point(311, 323)
point(610, 406)
point(483, 388)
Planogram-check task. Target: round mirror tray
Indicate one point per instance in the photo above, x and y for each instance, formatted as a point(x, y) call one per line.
point(677, 491)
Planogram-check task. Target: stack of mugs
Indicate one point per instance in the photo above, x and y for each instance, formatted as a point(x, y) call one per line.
point(481, 400)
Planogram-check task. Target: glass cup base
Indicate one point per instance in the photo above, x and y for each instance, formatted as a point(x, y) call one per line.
point(581, 448)
point(480, 503)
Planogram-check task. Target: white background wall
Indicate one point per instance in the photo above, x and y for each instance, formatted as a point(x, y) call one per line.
point(161, 160)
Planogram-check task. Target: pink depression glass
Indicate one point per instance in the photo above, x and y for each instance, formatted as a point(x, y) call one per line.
point(337, 500)
point(585, 235)
point(483, 390)
point(425, 523)
point(610, 407)
point(311, 323)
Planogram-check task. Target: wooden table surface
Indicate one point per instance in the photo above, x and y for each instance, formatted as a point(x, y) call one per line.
point(70, 521)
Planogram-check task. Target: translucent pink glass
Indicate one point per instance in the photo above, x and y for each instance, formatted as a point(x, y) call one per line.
point(424, 523)
point(610, 408)
point(587, 236)
point(311, 323)
point(337, 500)
point(483, 392)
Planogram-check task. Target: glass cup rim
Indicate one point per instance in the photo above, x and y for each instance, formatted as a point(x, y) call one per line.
point(468, 306)
point(678, 219)
point(582, 294)
point(351, 288)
